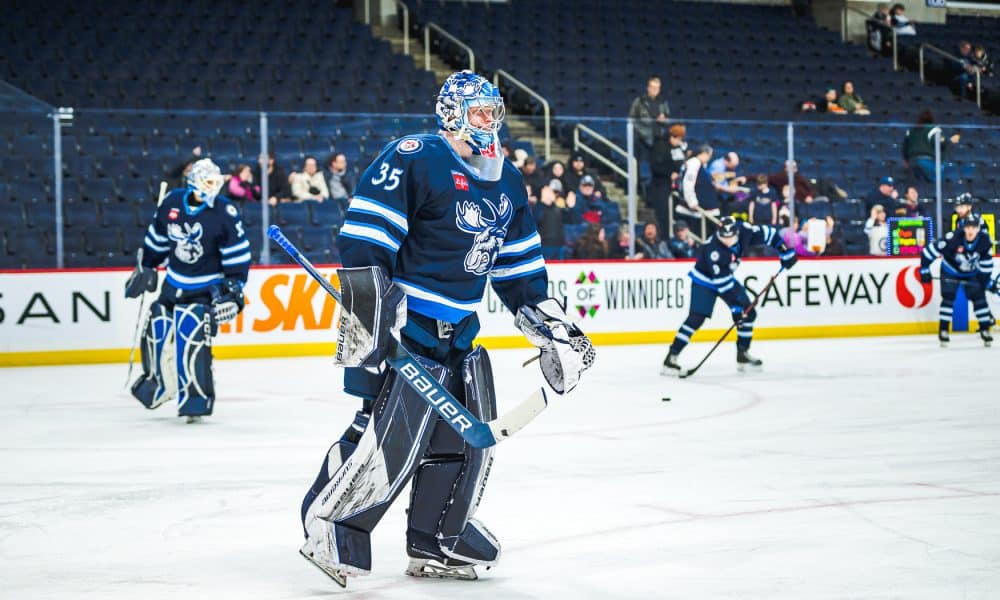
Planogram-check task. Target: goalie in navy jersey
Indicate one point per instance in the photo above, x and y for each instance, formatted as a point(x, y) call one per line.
point(967, 261)
point(433, 220)
point(713, 276)
point(200, 237)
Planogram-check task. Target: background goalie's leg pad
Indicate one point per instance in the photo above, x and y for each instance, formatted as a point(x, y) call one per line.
point(158, 382)
point(192, 331)
point(365, 482)
point(449, 485)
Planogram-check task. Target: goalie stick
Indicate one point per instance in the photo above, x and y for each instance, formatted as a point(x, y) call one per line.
point(473, 431)
point(746, 311)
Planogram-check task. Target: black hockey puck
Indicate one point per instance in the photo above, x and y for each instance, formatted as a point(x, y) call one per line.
point(666, 399)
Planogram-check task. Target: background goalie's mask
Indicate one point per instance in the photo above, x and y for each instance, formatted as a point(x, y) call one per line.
point(470, 108)
point(205, 180)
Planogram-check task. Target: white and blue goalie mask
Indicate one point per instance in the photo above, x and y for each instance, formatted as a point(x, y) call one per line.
point(205, 180)
point(471, 109)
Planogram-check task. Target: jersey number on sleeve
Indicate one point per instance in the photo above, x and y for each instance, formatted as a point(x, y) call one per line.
point(384, 174)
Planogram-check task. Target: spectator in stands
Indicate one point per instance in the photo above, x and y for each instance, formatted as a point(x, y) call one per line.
point(278, 189)
point(982, 61)
point(763, 203)
point(665, 163)
point(576, 172)
point(909, 204)
point(877, 231)
point(852, 102)
point(678, 150)
point(803, 189)
point(241, 187)
point(885, 194)
point(729, 184)
point(900, 23)
point(619, 246)
point(592, 244)
point(652, 245)
point(339, 182)
point(964, 81)
point(918, 147)
point(834, 238)
point(697, 190)
point(310, 183)
point(550, 211)
point(878, 39)
point(882, 15)
point(588, 197)
point(177, 176)
point(650, 113)
point(828, 103)
point(682, 244)
point(533, 177)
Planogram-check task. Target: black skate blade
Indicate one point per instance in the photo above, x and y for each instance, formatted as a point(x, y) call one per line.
point(337, 577)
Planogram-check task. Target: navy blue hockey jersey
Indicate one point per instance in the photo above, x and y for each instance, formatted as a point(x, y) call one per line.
point(424, 215)
point(201, 245)
point(716, 264)
point(959, 258)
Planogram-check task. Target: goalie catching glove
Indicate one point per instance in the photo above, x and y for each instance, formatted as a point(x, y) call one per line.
point(565, 351)
point(373, 313)
point(227, 300)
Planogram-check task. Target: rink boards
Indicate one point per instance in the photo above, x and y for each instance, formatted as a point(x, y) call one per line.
point(82, 316)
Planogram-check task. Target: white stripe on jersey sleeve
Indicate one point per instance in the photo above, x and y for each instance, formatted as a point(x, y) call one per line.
point(364, 205)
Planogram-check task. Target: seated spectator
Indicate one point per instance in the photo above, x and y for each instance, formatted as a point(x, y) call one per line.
point(592, 244)
point(828, 103)
point(577, 170)
point(900, 23)
point(533, 177)
point(241, 186)
point(728, 183)
point(697, 190)
point(310, 183)
point(177, 175)
point(918, 147)
point(652, 245)
point(682, 244)
point(909, 204)
point(877, 231)
point(339, 182)
point(549, 212)
point(619, 246)
point(763, 203)
point(885, 194)
point(852, 102)
point(278, 189)
point(803, 189)
point(982, 61)
point(588, 197)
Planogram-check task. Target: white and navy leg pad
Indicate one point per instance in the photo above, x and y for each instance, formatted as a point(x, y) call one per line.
point(158, 382)
point(193, 334)
point(449, 485)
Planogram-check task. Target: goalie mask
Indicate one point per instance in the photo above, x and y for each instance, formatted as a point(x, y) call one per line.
point(205, 180)
point(471, 108)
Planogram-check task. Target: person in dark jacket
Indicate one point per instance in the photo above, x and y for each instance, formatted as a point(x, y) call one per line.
point(669, 153)
point(885, 194)
point(682, 244)
point(578, 170)
point(803, 189)
point(550, 211)
point(592, 244)
point(918, 146)
point(650, 113)
point(651, 244)
point(278, 187)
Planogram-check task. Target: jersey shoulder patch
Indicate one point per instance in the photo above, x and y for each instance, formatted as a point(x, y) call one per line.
point(409, 145)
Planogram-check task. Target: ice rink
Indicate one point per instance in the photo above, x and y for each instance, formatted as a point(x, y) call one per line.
point(851, 468)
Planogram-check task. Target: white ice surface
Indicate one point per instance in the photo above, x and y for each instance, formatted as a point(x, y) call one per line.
point(858, 468)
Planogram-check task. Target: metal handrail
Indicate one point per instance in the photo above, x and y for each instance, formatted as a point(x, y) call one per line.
point(449, 37)
point(843, 19)
point(935, 49)
point(579, 145)
point(406, 26)
point(547, 114)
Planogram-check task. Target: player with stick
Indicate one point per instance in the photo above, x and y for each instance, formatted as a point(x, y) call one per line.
point(713, 276)
point(433, 219)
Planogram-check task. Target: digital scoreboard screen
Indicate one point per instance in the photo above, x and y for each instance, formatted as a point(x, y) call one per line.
point(907, 235)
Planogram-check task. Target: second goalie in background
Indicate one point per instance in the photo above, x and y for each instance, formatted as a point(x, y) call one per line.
point(433, 219)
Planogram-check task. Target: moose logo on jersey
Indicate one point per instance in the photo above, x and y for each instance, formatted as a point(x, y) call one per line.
point(489, 231)
point(188, 241)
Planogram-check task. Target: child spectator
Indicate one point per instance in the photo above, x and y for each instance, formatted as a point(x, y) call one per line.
point(852, 102)
point(828, 103)
point(877, 231)
point(763, 206)
point(241, 187)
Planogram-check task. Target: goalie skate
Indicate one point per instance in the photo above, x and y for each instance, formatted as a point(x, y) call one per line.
point(423, 567)
point(339, 577)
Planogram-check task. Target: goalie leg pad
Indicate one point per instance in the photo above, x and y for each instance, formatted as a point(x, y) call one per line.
point(158, 382)
point(449, 484)
point(193, 332)
point(361, 483)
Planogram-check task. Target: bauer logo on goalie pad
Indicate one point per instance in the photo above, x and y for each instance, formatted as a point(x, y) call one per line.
point(429, 391)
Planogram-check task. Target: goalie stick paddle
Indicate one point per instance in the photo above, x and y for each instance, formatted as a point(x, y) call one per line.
point(473, 431)
point(746, 311)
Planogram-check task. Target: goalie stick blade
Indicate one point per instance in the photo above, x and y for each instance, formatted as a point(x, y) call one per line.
point(513, 421)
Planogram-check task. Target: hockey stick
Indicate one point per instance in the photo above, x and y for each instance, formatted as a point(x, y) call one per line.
point(473, 431)
point(736, 323)
point(138, 324)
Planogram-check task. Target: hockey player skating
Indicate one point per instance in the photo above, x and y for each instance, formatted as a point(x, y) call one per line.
point(433, 218)
point(967, 261)
point(200, 237)
point(713, 276)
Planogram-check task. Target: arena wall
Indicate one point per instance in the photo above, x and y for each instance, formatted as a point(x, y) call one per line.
point(82, 316)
